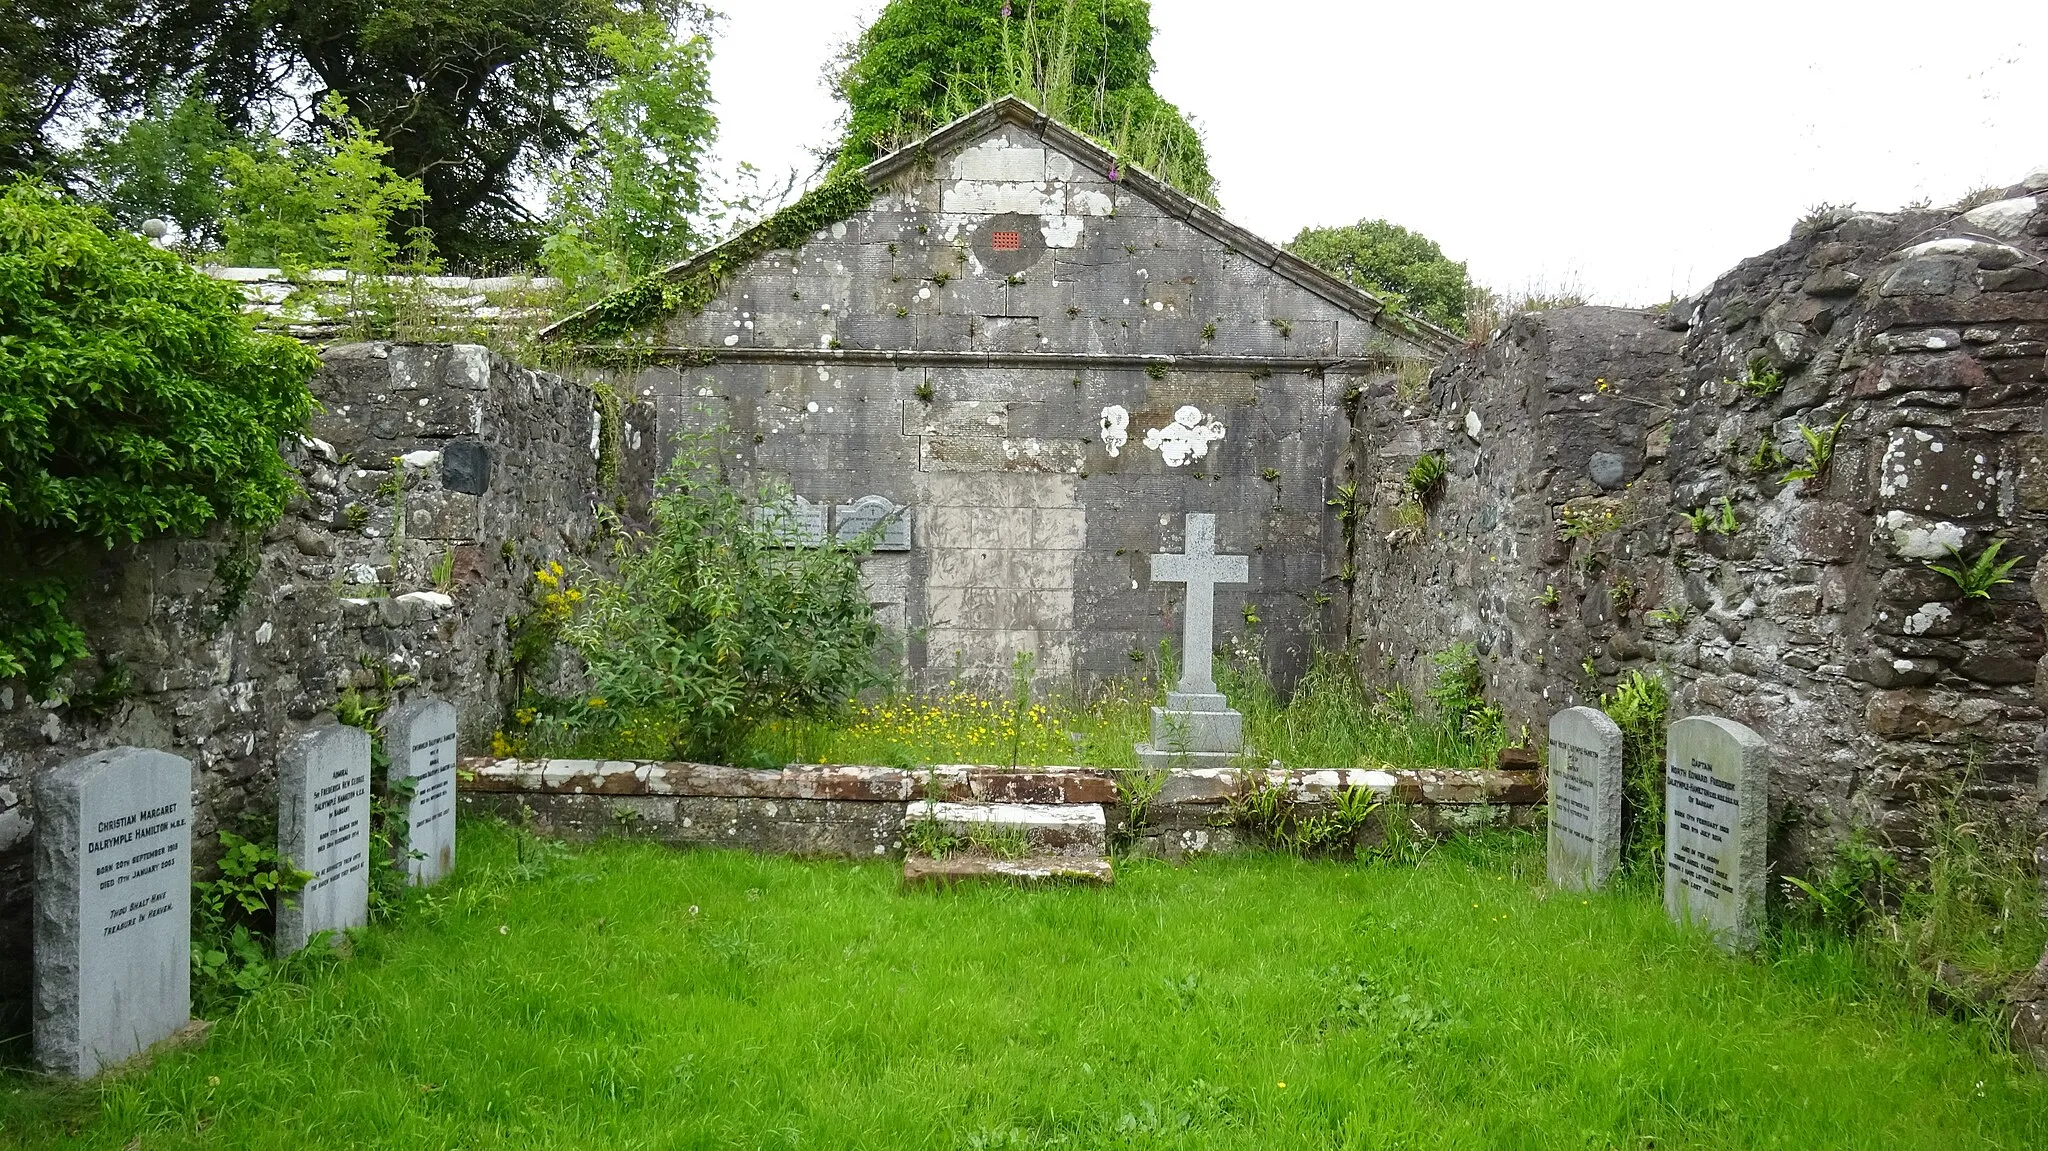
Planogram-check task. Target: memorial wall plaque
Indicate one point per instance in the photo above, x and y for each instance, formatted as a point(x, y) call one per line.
point(794, 522)
point(850, 521)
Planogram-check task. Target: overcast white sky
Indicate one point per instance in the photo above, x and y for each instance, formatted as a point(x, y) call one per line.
point(1633, 150)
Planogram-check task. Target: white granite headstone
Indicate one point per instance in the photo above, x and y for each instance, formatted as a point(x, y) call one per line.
point(794, 522)
point(113, 907)
point(849, 521)
point(323, 826)
point(1585, 798)
point(420, 737)
point(1716, 789)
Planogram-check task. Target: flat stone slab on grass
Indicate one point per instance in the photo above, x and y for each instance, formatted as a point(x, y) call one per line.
point(922, 871)
point(1066, 829)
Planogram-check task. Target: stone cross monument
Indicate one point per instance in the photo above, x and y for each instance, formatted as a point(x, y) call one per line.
point(1197, 727)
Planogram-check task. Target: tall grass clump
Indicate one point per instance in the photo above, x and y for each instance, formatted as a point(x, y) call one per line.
point(1333, 718)
point(1638, 705)
point(1954, 927)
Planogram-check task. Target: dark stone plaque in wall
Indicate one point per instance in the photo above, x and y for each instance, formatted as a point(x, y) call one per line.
point(466, 467)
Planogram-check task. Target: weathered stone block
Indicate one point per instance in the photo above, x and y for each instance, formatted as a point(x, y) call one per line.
point(1584, 846)
point(420, 737)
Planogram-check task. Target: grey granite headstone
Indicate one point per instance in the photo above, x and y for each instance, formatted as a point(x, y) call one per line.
point(1197, 727)
point(1716, 786)
point(863, 514)
point(794, 522)
point(1585, 798)
point(323, 826)
point(421, 739)
point(113, 907)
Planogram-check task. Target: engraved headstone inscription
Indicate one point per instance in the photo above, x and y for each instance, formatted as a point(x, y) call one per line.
point(1716, 786)
point(850, 521)
point(794, 522)
point(421, 739)
point(1585, 798)
point(323, 827)
point(113, 907)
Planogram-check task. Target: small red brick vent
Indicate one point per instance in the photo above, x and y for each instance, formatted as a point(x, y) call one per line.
point(1007, 241)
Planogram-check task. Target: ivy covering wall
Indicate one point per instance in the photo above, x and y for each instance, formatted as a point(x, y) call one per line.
point(136, 400)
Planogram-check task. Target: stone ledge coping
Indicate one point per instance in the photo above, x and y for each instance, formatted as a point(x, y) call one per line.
point(975, 783)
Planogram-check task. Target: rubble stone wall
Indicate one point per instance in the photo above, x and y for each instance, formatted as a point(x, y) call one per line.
point(1806, 608)
point(425, 461)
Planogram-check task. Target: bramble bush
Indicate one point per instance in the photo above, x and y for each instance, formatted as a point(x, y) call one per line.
point(713, 624)
point(135, 401)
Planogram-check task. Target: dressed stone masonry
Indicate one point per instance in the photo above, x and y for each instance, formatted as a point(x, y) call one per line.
point(1585, 798)
point(1197, 727)
point(323, 826)
point(113, 907)
point(1036, 349)
point(421, 738)
point(1716, 779)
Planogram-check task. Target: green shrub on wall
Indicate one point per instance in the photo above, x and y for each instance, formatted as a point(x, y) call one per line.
point(135, 401)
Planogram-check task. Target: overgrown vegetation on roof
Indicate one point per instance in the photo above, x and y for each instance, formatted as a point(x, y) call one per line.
point(691, 286)
point(923, 63)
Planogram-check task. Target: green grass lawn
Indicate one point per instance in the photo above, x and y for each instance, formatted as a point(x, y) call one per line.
point(630, 996)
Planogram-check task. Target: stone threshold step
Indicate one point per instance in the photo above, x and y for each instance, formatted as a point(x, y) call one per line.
point(1048, 829)
point(1031, 871)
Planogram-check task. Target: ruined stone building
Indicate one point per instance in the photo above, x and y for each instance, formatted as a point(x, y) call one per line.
point(1047, 360)
point(1027, 365)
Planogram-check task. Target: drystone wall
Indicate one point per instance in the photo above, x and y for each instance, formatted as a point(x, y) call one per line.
point(436, 479)
point(1802, 607)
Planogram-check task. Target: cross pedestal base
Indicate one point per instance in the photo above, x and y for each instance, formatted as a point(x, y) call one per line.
point(1194, 729)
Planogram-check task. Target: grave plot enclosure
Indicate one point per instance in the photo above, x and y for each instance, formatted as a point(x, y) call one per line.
point(1047, 361)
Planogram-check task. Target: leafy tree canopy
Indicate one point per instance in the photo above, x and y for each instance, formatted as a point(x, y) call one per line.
point(468, 97)
point(53, 57)
point(629, 199)
point(1086, 62)
point(1406, 269)
point(166, 163)
point(135, 400)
